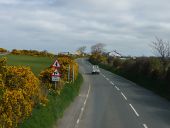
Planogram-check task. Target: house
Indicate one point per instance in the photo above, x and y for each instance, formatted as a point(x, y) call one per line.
point(114, 54)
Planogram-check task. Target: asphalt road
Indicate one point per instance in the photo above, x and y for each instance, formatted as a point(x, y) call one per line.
point(110, 101)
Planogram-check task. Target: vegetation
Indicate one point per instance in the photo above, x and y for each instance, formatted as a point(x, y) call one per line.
point(45, 117)
point(2, 50)
point(22, 94)
point(31, 53)
point(37, 64)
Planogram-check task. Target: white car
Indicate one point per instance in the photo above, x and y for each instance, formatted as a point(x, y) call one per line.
point(95, 69)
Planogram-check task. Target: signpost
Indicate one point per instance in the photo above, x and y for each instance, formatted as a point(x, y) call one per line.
point(55, 76)
point(56, 64)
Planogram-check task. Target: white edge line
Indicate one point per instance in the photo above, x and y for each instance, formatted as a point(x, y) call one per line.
point(124, 96)
point(134, 110)
point(82, 109)
point(145, 126)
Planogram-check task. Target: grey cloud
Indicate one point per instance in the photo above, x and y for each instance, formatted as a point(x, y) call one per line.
point(62, 25)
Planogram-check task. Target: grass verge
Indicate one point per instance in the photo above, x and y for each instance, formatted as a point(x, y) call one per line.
point(45, 117)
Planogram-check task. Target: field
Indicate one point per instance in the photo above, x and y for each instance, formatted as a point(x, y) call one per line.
point(37, 64)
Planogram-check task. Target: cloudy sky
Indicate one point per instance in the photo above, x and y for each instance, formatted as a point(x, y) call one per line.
point(128, 26)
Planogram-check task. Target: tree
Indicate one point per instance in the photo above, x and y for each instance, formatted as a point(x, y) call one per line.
point(81, 50)
point(162, 48)
point(98, 48)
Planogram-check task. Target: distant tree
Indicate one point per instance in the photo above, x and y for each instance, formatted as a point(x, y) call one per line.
point(2, 50)
point(161, 48)
point(98, 48)
point(81, 49)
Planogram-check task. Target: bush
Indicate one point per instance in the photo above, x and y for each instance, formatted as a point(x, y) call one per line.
point(31, 52)
point(20, 92)
point(65, 62)
point(2, 50)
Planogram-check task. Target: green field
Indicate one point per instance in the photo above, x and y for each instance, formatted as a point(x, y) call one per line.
point(37, 64)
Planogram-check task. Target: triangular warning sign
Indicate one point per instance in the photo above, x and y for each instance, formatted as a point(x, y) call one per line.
point(56, 64)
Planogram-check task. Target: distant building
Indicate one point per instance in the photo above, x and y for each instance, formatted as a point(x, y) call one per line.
point(79, 53)
point(114, 54)
point(64, 53)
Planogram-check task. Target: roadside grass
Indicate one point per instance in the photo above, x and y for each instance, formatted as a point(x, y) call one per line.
point(46, 117)
point(37, 64)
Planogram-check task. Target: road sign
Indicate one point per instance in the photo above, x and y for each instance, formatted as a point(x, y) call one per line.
point(56, 73)
point(56, 64)
point(55, 78)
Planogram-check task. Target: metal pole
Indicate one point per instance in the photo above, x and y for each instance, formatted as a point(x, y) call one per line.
point(55, 85)
point(73, 73)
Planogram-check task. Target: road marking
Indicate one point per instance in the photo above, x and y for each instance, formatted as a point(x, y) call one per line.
point(104, 76)
point(111, 83)
point(124, 96)
point(117, 88)
point(134, 110)
point(107, 79)
point(82, 109)
point(78, 121)
point(84, 102)
point(145, 126)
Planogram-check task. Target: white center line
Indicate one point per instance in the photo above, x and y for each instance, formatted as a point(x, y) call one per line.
point(124, 96)
point(111, 83)
point(117, 88)
point(145, 126)
point(134, 110)
point(107, 79)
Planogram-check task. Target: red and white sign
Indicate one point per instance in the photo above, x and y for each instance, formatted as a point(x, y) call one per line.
point(56, 64)
point(55, 76)
point(56, 73)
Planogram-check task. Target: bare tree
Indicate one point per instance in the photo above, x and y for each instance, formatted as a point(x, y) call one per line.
point(98, 48)
point(162, 48)
point(81, 49)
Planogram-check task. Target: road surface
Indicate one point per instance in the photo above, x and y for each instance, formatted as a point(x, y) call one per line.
point(110, 101)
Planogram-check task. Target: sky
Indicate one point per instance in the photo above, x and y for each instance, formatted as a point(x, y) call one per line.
point(128, 26)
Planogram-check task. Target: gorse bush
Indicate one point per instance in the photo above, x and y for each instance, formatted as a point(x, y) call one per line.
point(31, 53)
point(65, 62)
point(2, 50)
point(20, 92)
